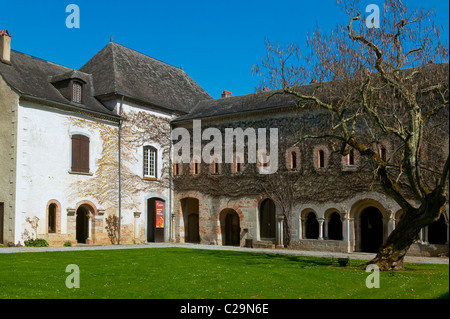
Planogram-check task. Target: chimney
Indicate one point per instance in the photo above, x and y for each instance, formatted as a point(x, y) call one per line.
point(226, 94)
point(5, 47)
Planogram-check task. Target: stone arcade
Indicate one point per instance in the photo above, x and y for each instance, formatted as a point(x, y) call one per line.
point(81, 145)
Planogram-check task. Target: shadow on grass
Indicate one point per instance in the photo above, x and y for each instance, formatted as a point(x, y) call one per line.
point(444, 296)
point(250, 258)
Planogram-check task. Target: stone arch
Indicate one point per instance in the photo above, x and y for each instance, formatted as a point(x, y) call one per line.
point(370, 224)
point(334, 224)
point(190, 213)
point(53, 217)
point(85, 212)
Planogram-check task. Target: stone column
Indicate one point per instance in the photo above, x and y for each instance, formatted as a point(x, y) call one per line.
point(89, 222)
point(280, 231)
point(390, 223)
point(300, 228)
point(320, 228)
point(325, 228)
point(425, 235)
point(136, 227)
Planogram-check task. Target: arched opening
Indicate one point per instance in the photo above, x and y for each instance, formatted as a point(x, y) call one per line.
point(52, 218)
point(321, 159)
point(312, 226)
point(82, 225)
point(371, 222)
point(230, 227)
point(437, 232)
point(190, 209)
point(267, 222)
point(155, 220)
point(335, 227)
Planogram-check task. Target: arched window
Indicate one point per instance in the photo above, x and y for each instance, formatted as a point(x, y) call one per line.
point(150, 161)
point(80, 153)
point(321, 159)
point(293, 160)
point(52, 218)
point(215, 167)
point(195, 168)
point(312, 227)
point(335, 227)
point(237, 165)
point(351, 157)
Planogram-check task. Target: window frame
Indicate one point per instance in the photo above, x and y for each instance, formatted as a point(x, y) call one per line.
point(146, 163)
point(77, 160)
point(77, 92)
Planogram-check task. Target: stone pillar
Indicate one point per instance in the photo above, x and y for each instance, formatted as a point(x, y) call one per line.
point(391, 223)
point(425, 235)
point(300, 228)
point(136, 227)
point(320, 228)
point(89, 240)
point(173, 237)
point(325, 228)
point(280, 231)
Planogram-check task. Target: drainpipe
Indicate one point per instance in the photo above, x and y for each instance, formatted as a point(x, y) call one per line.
point(120, 168)
point(170, 186)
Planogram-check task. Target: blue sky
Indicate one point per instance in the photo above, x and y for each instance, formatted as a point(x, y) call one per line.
point(217, 42)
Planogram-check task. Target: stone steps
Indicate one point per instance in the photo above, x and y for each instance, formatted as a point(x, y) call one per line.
point(264, 244)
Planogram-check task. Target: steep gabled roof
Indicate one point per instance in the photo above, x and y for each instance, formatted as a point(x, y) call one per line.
point(32, 77)
point(120, 70)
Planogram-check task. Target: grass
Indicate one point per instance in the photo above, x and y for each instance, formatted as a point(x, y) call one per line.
point(180, 273)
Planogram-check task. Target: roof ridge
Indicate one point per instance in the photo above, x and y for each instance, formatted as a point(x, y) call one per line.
point(171, 65)
point(114, 66)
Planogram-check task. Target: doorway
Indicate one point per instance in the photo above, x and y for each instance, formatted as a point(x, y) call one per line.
point(371, 230)
point(190, 209)
point(155, 220)
point(267, 222)
point(82, 231)
point(230, 227)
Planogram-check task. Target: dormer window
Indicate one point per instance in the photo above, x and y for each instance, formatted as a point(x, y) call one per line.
point(76, 92)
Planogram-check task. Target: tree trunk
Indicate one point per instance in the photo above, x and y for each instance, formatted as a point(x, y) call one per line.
point(391, 253)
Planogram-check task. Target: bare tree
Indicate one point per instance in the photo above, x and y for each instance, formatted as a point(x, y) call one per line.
point(380, 84)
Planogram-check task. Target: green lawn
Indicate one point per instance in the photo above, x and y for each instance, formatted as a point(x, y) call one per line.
point(192, 273)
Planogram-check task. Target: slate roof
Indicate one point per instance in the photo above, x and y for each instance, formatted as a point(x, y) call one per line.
point(118, 69)
point(259, 101)
point(32, 77)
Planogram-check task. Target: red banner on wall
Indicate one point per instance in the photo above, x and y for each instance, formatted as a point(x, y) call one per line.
point(159, 206)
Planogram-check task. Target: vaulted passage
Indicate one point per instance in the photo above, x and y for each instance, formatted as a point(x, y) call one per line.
point(267, 220)
point(312, 227)
point(230, 227)
point(335, 227)
point(371, 230)
point(190, 208)
point(437, 231)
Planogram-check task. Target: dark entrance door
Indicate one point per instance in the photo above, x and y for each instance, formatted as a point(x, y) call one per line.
point(154, 234)
point(82, 225)
point(371, 230)
point(232, 229)
point(267, 219)
point(193, 231)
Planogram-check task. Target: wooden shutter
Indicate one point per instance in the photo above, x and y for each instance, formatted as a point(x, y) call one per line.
point(80, 153)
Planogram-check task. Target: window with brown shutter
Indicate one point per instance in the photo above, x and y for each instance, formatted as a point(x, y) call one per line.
point(80, 153)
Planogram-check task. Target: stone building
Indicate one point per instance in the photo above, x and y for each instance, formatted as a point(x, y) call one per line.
point(81, 145)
